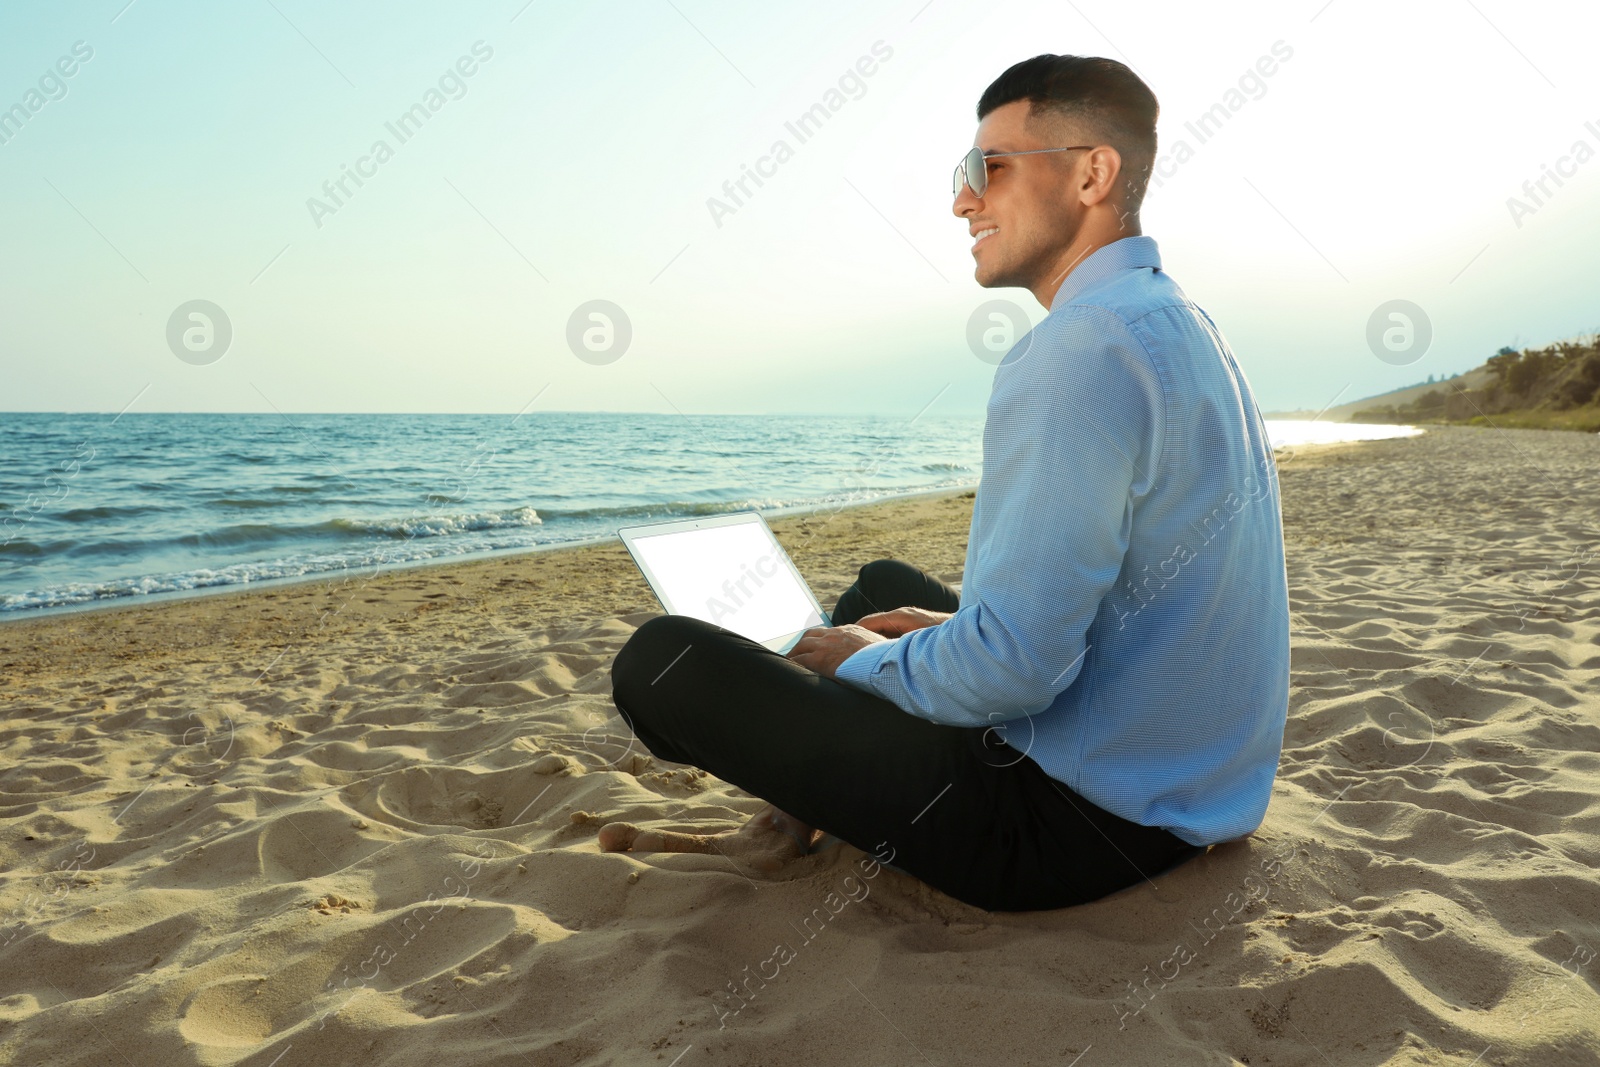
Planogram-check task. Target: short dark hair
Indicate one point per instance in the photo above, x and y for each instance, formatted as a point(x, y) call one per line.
point(1112, 101)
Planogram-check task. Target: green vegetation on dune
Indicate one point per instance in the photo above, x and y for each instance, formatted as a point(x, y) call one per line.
point(1552, 388)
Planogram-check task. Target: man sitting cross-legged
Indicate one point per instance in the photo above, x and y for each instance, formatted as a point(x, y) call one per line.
point(1106, 696)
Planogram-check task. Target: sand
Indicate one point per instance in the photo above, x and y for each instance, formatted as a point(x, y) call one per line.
point(355, 822)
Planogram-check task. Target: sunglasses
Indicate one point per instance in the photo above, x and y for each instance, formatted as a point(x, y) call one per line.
point(973, 170)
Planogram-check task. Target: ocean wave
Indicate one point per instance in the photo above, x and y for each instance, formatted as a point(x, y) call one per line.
point(442, 525)
point(247, 534)
point(95, 514)
point(73, 594)
point(245, 503)
point(355, 567)
point(476, 527)
point(666, 511)
point(276, 496)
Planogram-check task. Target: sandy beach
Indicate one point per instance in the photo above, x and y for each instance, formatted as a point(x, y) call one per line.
point(355, 822)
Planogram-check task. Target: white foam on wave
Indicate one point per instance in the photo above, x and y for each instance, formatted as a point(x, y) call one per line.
point(443, 525)
point(355, 565)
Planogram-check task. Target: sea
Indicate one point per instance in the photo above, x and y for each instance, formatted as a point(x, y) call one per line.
point(102, 509)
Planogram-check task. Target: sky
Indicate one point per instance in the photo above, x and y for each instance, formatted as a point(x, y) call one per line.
point(576, 153)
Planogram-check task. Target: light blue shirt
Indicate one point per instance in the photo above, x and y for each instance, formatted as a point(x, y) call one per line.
point(1124, 609)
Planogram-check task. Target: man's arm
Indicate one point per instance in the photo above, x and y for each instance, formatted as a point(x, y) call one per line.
point(823, 648)
point(1069, 441)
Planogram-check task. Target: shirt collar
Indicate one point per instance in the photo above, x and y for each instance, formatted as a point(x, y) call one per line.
point(1125, 254)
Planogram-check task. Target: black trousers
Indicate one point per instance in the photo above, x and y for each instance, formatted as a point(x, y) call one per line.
point(951, 805)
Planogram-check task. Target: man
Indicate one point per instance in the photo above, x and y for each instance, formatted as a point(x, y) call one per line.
point(1106, 696)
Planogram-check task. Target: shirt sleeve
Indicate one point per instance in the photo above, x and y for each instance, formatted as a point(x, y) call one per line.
point(1069, 440)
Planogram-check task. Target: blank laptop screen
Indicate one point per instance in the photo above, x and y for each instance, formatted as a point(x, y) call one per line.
point(729, 575)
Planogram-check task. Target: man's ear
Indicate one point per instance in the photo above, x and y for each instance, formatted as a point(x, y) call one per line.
point(1103, 170)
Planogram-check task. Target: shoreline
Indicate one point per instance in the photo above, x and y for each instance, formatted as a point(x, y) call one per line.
point(181, 596)
point(558, 585)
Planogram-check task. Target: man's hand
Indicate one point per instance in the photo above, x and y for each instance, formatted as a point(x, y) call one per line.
point(901, 620)
point(823, 648)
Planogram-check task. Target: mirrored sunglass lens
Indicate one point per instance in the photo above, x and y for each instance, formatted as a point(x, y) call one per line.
point(977, 172)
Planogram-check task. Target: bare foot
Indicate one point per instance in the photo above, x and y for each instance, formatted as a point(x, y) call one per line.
point(768, 841)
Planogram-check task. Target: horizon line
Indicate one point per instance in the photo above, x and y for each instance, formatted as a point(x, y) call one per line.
point(548, 411)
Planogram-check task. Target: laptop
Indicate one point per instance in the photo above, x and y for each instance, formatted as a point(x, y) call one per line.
point(728, 570)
